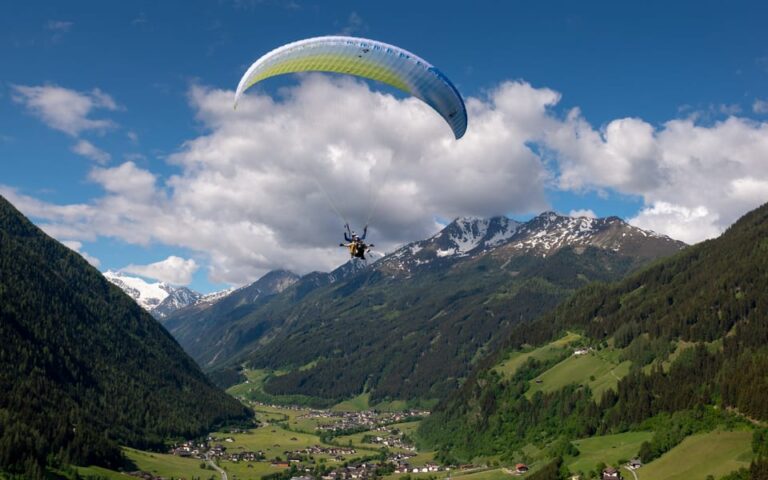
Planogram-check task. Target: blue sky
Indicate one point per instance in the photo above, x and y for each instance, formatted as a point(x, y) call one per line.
point(149, 73)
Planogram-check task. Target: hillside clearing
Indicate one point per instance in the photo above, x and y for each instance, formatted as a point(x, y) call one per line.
point(715, 453)
point(608, 449)
point(593, 369)
point(549, 351)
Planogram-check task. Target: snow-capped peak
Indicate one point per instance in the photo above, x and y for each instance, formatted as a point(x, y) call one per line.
point(541, 236)
point(214, 297)
point(550, 231)
point(158, 298)
point(462, 237)
point(148, 295)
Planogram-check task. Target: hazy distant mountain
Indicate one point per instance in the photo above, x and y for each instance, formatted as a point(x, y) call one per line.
point(83, 368)
point(411, 324)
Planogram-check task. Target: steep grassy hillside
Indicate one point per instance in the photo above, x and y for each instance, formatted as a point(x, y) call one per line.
point(715, 453)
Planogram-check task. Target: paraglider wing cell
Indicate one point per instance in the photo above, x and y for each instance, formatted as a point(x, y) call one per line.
point(367, 59)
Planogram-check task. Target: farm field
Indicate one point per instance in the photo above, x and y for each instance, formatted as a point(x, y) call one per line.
point(356, 441)
point(292, 417)
point(509, 366)
point(255, 381)
point(270, 439)
point(357, 404)
point(608, 449)
point(100, 472)
point(253, 389)
point(716, 453)
point(242, 470)
point(593, 369)
point(494, 474)
point(164, 465)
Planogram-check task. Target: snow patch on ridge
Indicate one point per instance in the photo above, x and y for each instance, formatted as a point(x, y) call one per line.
point(147, 295)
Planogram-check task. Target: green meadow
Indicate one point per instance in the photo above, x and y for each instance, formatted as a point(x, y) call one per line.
point(716, 453)
point(594, 369)
point(608, 449)
point(515, 360)
point(164, 465)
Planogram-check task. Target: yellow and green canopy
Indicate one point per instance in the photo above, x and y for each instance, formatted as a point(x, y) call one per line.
point(367, 59)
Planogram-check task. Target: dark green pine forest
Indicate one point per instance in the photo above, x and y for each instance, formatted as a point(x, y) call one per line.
point(83, 369)
point(712, 298)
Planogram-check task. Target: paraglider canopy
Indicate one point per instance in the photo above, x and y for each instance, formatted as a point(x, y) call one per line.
point(367, 59)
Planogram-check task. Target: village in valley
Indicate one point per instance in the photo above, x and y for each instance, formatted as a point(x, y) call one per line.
point(290, 442)
point(297, 443)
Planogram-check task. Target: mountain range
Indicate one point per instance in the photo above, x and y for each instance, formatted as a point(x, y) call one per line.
point(411, 324)
point(160, 298)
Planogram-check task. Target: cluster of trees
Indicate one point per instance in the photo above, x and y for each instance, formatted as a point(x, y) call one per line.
point(83, 369)
point(711, 295)
point(670, 429)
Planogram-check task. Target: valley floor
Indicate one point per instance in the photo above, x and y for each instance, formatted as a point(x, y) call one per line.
point(296, 440)
point(290, 432)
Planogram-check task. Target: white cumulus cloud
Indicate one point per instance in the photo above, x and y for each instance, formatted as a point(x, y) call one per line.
point(690, 225)
point(64, 109)
point(695, 180)
point(89, 150)
point(252, 191)
point(174, 270)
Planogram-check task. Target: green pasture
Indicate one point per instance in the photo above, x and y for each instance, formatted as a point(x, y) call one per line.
point(101, 472)
point(164, 465)
point(515, 360)
point(608, 449)
point(270, 439)
point(356, 404)
point(716, 453)
point(591, 369)
point(242, 470)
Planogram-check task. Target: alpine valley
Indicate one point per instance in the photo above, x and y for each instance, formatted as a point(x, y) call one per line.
point(554, 348)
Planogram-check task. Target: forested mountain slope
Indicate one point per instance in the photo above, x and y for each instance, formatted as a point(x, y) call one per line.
point(83, 368)
point(196, 326)
point(694, 326)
